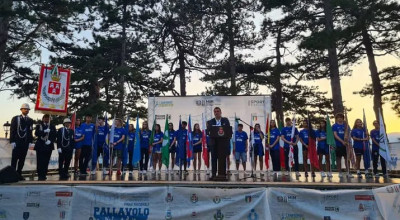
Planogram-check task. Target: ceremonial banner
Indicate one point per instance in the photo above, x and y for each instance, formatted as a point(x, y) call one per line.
point(388, 200)
point(52, 94)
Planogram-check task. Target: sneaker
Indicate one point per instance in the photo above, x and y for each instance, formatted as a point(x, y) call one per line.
point(385, 175)
point(359, 175)
point(323, 174)
point(312, 174)
point(118, 172)
point(144, 171)
point(340, 175)
point(130, 172)
point(377, 175)
point(286, 173)
point(330, 174)
point(298, 174)
point(208, 172)
point(93, 172)
point(305, 174)
point(123, 172)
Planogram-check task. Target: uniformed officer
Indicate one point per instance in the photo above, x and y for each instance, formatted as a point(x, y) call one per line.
point(20, 138)
point(46, 134)
point(65, 147)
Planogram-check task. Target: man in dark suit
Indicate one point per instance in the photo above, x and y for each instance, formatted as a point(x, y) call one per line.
point(65, 148)
point(46, 134)
point(219, 147)
point(20, 138)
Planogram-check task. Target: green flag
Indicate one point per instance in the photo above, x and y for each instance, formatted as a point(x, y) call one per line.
point(165, 145)
point(330, 141)
point(153, 132)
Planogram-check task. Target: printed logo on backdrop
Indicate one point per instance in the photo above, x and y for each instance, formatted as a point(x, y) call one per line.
point(169, 198)
point(168, 215)
point(61, 203)
point(393, 189)
point(62, 215)
point(217, 199)
point(25, 215)
point(3, 214)
point(247, 199)
point(327, 218)
point(121, 213)
point(164, 104)
point(32, 194)
point(332, 208)
point(292, 216)
point(221, 131)
point(255, 102)
point(365, 207)
point(33, 204)
point(364, 197)
point(219, 215)
point(194, 198)
point(252, 215)
point(63, 194)
point(331, 197)
point(162, 117)
point(206, 102)
point(194, 214)
point(286, 199)
point(4, 197)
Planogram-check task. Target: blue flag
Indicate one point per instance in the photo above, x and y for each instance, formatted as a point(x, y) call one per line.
point(180, 151)
point(136, 149)
point(367, 151)
point(126, 142)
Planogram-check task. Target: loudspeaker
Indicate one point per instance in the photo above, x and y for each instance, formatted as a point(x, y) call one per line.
point(8, 175)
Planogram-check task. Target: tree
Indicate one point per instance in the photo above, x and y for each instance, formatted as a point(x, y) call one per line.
point(373, 27)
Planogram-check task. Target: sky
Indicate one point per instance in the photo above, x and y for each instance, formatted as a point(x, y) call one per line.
point(9, 107)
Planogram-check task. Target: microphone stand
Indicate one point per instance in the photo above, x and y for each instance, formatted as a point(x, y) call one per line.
point(252, 175)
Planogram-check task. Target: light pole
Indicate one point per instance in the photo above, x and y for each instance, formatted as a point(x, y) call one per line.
point(6, 127)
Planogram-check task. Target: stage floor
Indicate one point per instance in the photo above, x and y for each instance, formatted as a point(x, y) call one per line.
point(236, 180)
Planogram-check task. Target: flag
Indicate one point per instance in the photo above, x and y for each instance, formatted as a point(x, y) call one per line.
point(126, 143)
point(111, 141)
point(136, 149)
point(349, 147)
point(252, 141)
point(291, 150)
point(281, 148)
point(73, 120)
point(153, 132)
point(367, 150)
point(383, 142)
point(165, 144)
point(312, 147)
point(189, 144)
point(180, 149)
point(204, 141)
point(330, 141)
point(267, 132)
point(94, 145)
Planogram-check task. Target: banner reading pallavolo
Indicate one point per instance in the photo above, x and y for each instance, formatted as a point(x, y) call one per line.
point(52, 94)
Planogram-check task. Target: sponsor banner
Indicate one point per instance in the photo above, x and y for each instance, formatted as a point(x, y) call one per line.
point(53, 89)
point(388, 200)
point(141, 203)
point(208, 203)
point(288, 203)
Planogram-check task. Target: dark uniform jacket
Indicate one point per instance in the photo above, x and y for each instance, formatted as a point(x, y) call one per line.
point(66, 141)
point(40, 144)
point(21, 131)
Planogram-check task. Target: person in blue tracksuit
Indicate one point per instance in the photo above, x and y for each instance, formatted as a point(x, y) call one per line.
point(323, 149)
point(181, 138)
point(88, 129)
point(118, 143)
point(338, 132)
point(79, 136)
point(258, 146)
point(156, 148)
point(303, 137)
point(131, 145)
point(286, 136)
point(197, 147)
point(274, 137)
point(359, 137)
point(145, 134)
point(172, 146)
point(241, 146)
point(375, 137)
point(101, 146)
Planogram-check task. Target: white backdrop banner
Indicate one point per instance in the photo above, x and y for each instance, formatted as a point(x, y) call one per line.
point(388, 200)
point(141, 203)
point(245, 107)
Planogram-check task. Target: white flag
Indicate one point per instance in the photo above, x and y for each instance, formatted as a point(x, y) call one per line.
point(383, 142)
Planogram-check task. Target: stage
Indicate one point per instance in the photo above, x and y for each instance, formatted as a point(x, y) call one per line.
point(235, 180)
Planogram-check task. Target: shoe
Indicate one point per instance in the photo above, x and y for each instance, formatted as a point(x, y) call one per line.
point(340, 175)
point(105, 172)
point(330, 174)
point(118, 172)
point(93, 172)
point(312, 174)
point(287, 173)
point(377, 175)
point(323, 174)
point(385, 175)
point(83, 173)
point(42, 179)
point(130, 172)
point(359, 175)
point(208, 172)
point(298, 174)
point(186, 172)
point(305, 174)
point(349, 175)
point(144, 171)
point(123, 172)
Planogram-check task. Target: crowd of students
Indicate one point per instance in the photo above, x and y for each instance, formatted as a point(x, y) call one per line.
point(80, 141)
